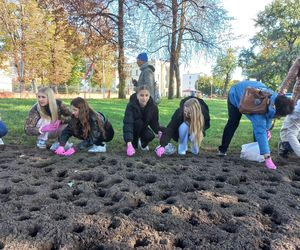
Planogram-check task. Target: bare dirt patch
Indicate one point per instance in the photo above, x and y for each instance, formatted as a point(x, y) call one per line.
point(110, 201)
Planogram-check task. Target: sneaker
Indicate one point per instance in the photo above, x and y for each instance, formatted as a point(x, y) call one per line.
point(140, 146)
point(1, 142)
point(54, 146)
point(282, 151)
point(97, 149)
point(221, 154)
point(68, 145)
point(41, 144)
point(170, 149)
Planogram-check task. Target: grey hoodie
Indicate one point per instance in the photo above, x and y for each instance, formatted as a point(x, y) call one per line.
point(147, 77)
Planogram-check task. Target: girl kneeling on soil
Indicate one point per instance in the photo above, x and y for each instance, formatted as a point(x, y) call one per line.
point(140, 113)
point(89, 126)
point(188, 123)
point(45, 117)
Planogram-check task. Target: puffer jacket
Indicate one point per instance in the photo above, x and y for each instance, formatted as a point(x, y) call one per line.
point(177, 119)
point(149, 115)
point(34, 116)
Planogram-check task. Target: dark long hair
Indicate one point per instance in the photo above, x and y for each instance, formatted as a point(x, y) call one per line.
point(283, 105)
point(84, 116)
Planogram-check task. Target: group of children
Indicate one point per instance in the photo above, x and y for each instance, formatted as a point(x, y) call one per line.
point(50, 118)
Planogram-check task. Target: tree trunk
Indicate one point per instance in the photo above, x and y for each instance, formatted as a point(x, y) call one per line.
point(178, 80)
point(227, 79)
point(178, 50)
point(121, 59)
point(173, 49)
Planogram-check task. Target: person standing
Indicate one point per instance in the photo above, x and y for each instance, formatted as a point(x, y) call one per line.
point(147, 74)
point(293, 76)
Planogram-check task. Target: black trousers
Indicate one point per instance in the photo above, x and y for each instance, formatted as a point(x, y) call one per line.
point(140, 130)
point(234, 117)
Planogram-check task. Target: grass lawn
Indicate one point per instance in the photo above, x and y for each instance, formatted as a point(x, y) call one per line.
point(14, 112)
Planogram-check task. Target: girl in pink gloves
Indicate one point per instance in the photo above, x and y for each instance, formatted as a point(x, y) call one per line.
point(89, 126)
point(141, 112)
point(46, 117)
point(188, 124)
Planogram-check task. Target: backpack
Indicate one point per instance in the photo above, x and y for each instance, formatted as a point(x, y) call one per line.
point(254, 101)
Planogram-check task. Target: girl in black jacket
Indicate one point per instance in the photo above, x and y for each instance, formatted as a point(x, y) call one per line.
point(188, 123)
point(140, 113)
point(89, 126)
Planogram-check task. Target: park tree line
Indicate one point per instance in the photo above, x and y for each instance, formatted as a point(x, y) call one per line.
point(273, 50)
point(49, 41)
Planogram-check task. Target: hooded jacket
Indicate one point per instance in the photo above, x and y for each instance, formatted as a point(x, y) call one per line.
point(147, 77)
point(177, 119)
point(134, 112)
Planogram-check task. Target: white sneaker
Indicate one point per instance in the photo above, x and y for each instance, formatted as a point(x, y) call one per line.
point(140, 146)
point(97, 149)
point(1, 142)
point(41, 144)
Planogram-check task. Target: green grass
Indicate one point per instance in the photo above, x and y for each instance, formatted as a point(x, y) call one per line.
point(14, 112)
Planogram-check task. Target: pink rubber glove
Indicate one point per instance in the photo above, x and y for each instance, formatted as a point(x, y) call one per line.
point(160, 151)
point(269, 163)
point(50, 127)
point(70, 151)
point(269, 135)
point(130, 150)
point(60, 150)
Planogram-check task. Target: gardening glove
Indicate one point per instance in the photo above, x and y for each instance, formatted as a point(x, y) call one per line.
point(130, 150)
point(60, 150)
point(270, 164)
point(160, 151)
point(69, 152)
point(50, 127)
point(269, 135)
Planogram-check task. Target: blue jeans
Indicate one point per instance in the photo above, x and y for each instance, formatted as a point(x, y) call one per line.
point(183, 140)
point(3, 129)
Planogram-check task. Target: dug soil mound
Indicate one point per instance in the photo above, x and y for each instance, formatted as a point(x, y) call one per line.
point(111, 201)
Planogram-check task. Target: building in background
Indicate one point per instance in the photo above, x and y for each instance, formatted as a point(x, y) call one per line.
point(7, 77)
point(189, 84)
point(161, 74)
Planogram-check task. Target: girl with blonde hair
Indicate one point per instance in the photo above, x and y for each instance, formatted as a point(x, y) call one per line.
point(188, 123)
point(45, 118)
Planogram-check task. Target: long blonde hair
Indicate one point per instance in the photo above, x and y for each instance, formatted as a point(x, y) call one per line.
point(195, 119)
point(51, 102)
